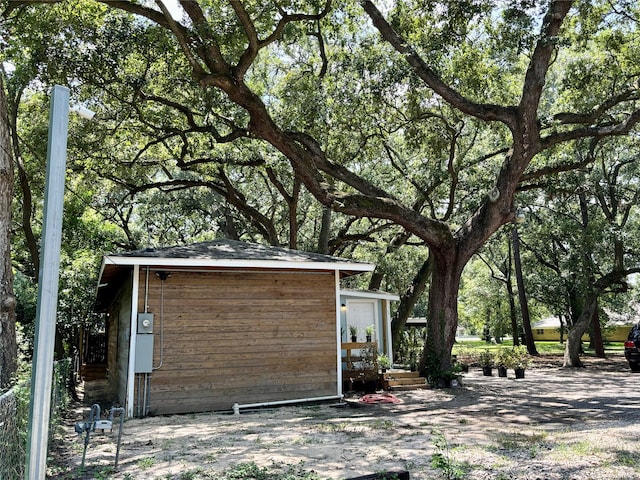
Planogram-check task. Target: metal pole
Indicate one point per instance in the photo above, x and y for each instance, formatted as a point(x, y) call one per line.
point(46, 310)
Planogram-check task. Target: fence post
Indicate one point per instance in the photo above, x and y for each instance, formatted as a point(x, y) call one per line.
point(39, 410)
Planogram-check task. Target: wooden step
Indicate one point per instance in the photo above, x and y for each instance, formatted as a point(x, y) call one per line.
point(401, 374)
point(401, 388)
point(404, 380)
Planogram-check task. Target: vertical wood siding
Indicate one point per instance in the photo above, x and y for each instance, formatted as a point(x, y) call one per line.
point(242, 337)
point(118, 347)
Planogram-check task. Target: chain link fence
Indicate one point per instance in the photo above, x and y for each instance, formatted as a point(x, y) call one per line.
point(14, 419)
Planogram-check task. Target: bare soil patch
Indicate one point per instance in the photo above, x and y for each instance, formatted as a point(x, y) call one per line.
point(553, 424)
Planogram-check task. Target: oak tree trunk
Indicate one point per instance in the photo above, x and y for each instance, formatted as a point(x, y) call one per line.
point(574, 337)
point(596, 334)
point(408, 300)
point(442, 319)
point(8, 347)
point(524, 306)
point(512, 314)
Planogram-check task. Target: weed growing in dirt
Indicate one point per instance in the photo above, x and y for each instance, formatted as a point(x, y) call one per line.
point(627, 458)
point(577, 448)
point(442, 458)
point(381, 425)
point(146, 463)
point(519, 442)
point(104, 473)
point(515, 440)
point(192, 474)
point(242, 471)
point(333, 427)
point(167, 443)
point(304, 441)
point(251, 471)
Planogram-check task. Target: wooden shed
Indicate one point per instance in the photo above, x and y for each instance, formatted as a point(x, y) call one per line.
point(216, 324)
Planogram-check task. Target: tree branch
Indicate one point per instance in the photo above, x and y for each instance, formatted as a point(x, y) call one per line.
point(589, 118)
point(597, 131)
point(536, 73)
point(565, 167)
point(454, 98)
point(255, 44)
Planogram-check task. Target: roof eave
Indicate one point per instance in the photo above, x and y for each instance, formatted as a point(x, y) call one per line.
point(369, 294)
point(235, 263)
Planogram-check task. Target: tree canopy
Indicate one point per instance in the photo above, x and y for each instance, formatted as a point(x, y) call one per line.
point(429, 122)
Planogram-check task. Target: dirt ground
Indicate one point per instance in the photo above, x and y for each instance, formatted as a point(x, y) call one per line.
point(553, 424)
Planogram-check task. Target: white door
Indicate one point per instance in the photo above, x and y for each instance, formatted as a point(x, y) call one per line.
point(361, 314)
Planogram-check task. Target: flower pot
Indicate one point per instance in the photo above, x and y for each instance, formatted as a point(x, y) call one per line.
point(487, 371)
point(353, 338)
point(519, 372)
point(444, 382)
point(502, 371)
point(368, 338)
point(370, 386)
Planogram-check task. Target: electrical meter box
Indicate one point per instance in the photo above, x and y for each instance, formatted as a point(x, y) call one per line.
point(144, 353)
point(145, 323)
point(144, 344)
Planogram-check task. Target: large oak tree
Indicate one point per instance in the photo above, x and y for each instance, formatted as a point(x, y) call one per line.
point(225, 42)
point(452, 102)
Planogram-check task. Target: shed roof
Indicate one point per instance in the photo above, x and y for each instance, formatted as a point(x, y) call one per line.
point(376, 294)
point(216, 254)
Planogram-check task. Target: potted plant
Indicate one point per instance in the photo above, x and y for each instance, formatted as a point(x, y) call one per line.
point(503, 361)
point(520, 360)
point(451, 377)
point(353, 331)
point(485, 359)
point(370, 374)
point(384, 362)
point(462, 358)
point(413, 360)
point(369, 332)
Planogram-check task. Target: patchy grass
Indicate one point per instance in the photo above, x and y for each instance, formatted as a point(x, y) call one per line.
point(470, 347)
point(514, 440)
point(518, 444)
point(578, 448)
point(146, 463)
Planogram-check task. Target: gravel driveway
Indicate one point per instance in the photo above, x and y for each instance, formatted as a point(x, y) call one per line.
point(553, 424)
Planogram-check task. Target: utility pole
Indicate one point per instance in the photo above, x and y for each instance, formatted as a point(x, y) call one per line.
point(46, 310)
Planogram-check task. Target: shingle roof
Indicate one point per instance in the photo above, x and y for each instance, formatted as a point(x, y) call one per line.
point(225, 254)
point(233, 250)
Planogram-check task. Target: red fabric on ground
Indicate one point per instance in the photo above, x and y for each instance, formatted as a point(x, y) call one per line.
point(380, 398)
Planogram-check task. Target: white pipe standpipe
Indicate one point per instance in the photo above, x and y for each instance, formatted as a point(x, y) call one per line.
point(237, 407)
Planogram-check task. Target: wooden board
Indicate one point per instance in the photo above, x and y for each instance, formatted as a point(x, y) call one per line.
point(225, 337)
